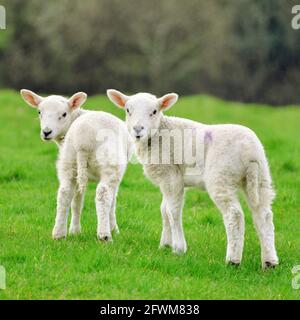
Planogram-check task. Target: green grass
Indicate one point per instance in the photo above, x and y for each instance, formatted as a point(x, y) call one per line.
point(132, 267)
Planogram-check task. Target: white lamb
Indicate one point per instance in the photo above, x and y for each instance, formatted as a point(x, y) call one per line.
point(92, 146)
point(229, 157)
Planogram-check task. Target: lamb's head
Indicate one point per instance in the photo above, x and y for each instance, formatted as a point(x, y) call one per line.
point(55, 112)
point(143, 111)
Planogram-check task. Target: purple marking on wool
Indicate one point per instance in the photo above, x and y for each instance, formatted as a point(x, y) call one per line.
point(208, 136)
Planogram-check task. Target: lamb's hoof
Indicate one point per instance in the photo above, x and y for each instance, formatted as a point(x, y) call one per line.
point(233, 263)
point(165, 243)
point(59, 235)
point(74, 231)
point(59, 232)
point(115, 230)
point(269, 265)
point(179, 250)
point(164, 246)
point(105, 237)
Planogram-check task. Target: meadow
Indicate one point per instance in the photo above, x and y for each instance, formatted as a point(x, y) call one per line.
point(132, 267)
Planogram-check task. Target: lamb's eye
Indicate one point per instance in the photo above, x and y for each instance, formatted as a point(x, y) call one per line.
point(39, 112)
point(127, 110)
point(64, 114)
point(154, 112)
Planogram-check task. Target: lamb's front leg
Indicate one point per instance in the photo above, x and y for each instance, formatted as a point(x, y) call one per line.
point(174, 194)
point(104, 198)
point(166, 235)
point(64, 198)
point(76, 208)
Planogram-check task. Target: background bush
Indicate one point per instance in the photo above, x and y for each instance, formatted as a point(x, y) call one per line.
point(235, 49)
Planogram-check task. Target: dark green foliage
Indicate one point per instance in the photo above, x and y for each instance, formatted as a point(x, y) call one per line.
point(236, 49)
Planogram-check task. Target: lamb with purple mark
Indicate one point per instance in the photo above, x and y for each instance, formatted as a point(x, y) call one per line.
point(232, 157)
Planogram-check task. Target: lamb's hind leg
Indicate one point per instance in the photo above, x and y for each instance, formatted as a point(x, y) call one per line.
point(112, 214)
point(263, 220)
point(76, 208)
point(228, 203)
point(105, 195)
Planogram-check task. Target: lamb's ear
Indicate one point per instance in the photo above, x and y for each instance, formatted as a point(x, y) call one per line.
point(167, 101)
point(31, 98)
point(77, 100)
point(117, 97)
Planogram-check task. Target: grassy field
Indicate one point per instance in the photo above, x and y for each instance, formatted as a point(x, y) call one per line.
point(132, 267)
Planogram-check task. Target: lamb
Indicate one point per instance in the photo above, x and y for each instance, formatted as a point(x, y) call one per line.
point(227, 158)
point(92, 146)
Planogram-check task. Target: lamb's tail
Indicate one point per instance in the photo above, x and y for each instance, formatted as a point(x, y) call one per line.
point(252, 183)
point(82, 171)
point(259, 184)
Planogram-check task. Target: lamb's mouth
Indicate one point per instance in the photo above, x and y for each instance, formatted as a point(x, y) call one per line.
point(139, 137)
point(46, 138)
point(59, 139)
point(49, 138)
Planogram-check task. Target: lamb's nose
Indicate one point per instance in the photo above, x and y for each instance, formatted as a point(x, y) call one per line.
point(138, 129)
point(47, 133)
